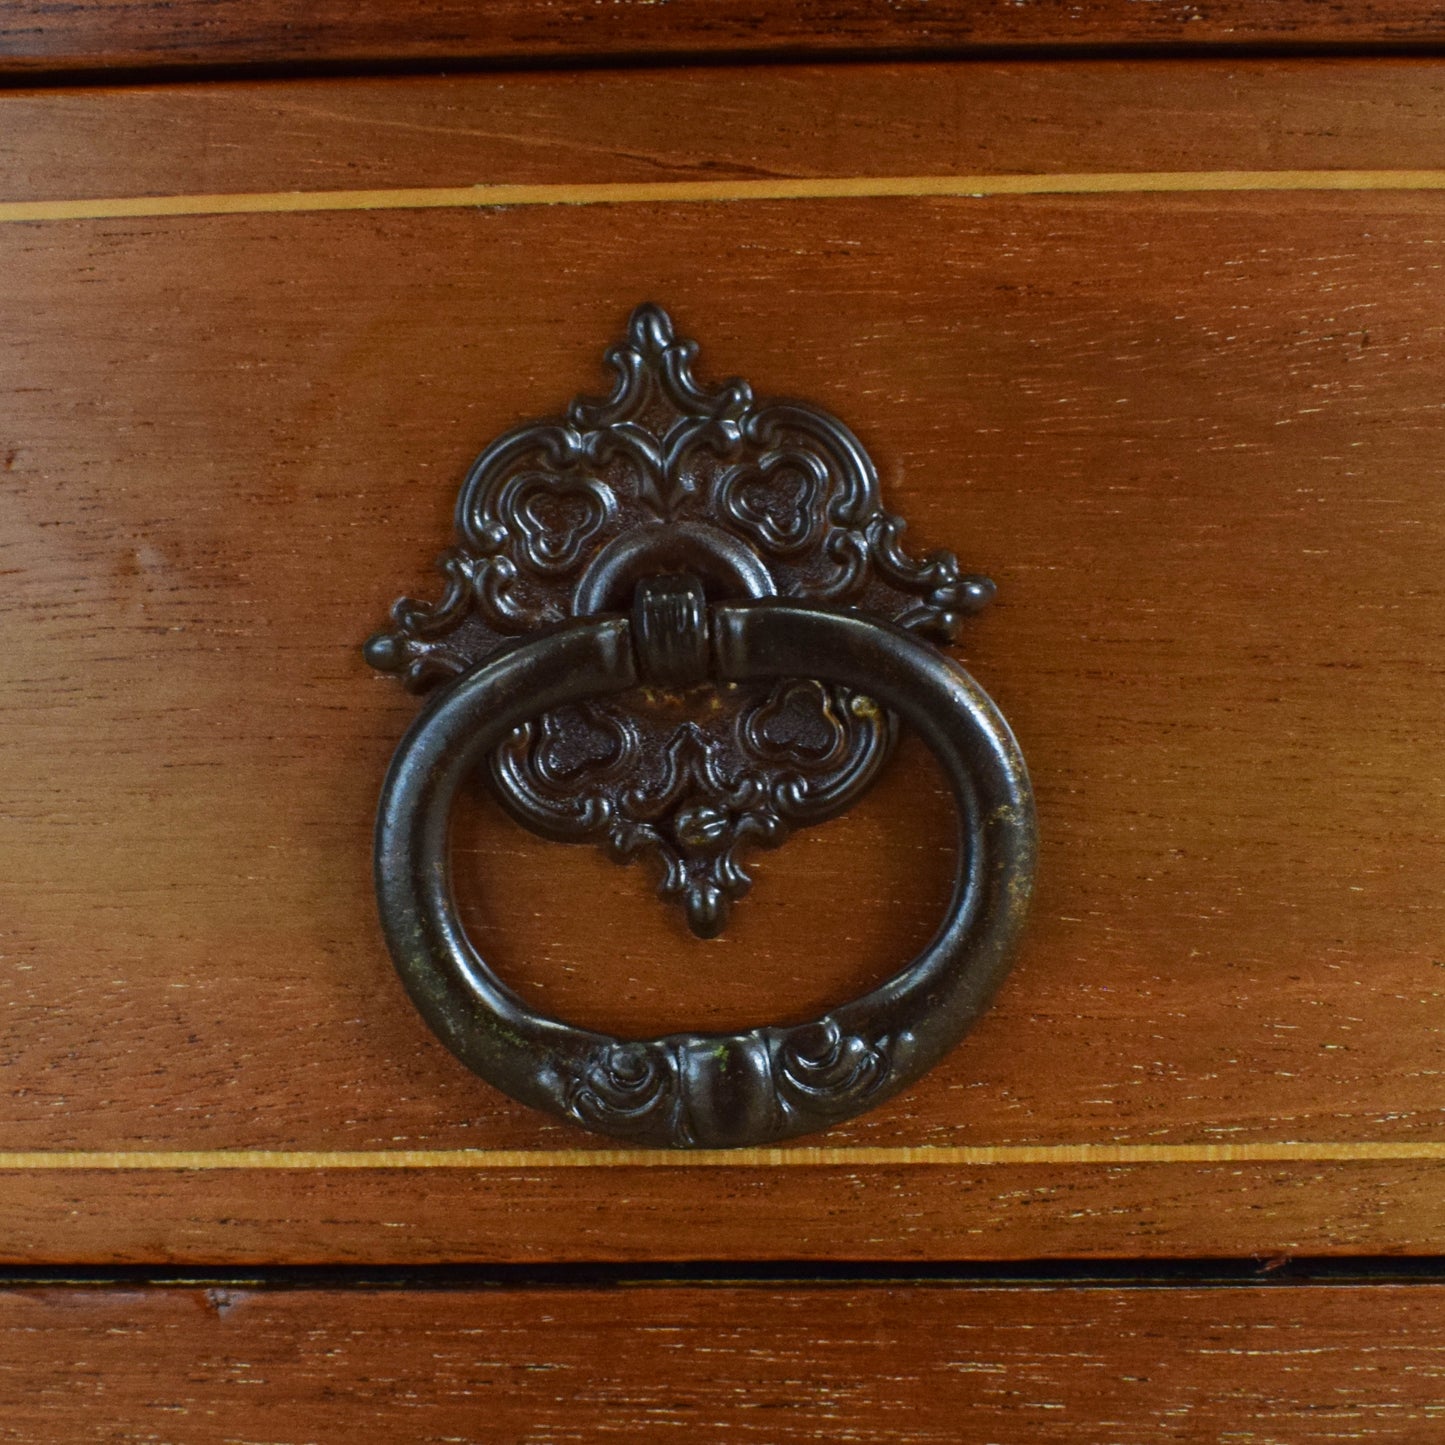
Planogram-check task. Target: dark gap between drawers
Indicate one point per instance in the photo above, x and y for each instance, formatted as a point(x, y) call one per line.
point(1025, 1274)
point(183, 73)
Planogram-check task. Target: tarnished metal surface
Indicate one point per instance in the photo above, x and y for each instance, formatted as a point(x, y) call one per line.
point(562, 518)
point(710, 1089)
point(775, 637)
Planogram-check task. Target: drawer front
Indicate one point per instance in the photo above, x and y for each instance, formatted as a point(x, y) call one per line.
point(1172, 381)
point(794, 1365)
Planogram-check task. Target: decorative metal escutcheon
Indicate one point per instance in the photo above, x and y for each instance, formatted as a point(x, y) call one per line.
point(679, 624)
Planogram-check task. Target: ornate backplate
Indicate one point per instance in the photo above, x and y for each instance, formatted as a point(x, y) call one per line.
point(562, 518)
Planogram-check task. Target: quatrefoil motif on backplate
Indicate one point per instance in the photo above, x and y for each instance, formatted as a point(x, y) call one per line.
point(557, 517)
point(561, 518)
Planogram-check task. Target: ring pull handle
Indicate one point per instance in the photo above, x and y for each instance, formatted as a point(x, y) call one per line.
point(703, 510)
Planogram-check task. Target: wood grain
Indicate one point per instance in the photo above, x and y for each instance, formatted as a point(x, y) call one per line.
point(1200, 464)
point(1283, 1365)
point(42, 35)
point(862, 1212)
point(1195, 439)
point(762, 123)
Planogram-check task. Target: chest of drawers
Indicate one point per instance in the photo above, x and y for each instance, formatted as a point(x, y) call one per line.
point(1156, 344)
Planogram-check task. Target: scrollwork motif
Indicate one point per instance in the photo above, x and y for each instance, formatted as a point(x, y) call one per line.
point(821, 1071)
point(690, 796)
point(710, 1090)
point(625, 1088)
point(561, 517)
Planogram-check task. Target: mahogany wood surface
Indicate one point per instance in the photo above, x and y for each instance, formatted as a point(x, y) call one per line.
point(858, 1208)
point(750, 123)
point(793, 1365)
point(1195, 437)
point(46, 35)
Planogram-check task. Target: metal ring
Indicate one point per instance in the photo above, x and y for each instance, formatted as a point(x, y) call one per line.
point(710, 1090)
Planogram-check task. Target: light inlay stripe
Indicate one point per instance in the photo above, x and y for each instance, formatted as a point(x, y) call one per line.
point(684, 192)
point(514, 1160)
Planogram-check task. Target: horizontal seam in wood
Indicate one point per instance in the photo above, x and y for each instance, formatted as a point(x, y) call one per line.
point(665, 192)
point(978, 1156)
